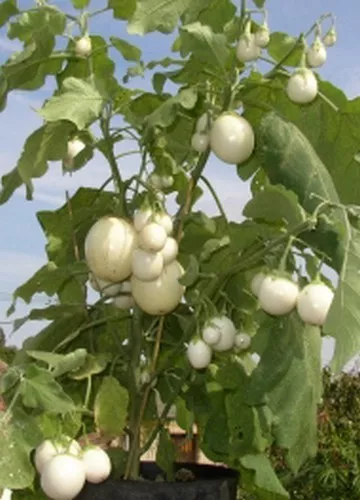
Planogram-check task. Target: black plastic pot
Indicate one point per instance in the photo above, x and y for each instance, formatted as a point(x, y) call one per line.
point(210, 483)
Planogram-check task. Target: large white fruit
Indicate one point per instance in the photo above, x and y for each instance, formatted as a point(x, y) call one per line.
point(48, 449)
point(141, 218)
point(170, 250)
point(63, 477)
point(278, 296)
point(162, 295)
point(107, 288)
point(164, 220)
point(227, 333)
point(152, 238)
point(108, 248)
point(124, 301)
point(302, 86)
point(147, 266)
point(199, 354)
point(97, 465)
point(83, 46)
point(232, 138)
point(314, 303)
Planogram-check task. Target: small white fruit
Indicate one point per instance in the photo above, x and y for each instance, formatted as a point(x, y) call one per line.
point(147, 266)
point(97, 465)
point(63, 477)
point(152, 237)
point(49, 449)
point(330, 38)
point(167, 181)
point(107, 288)
point(262, 36)
point(242, 341)
point(164, 220)
point(316, 55)
point(170, 250)
point(227, 333)
point(200, 142)
point(278, 296)
point(232, 138)
point(211, 334)
point(247, 49)
point(162, 295)
point(302, 87)
point(74, 147)
point(124, 301)
point(314, 303)
point(203, 124)
point(256, 283)
point(141, 218)
point(83, 46)
point(199, 354)
point(108, 248)
point(156, 181)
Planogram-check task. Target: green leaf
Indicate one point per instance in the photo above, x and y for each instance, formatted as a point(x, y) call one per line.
point(127, 50)
point(263, 480)
point(61, 363)
point(39, 390)
point(275, 204)
point(343, 321)
point(282, 44)
point(47, 143)
point(207, 46)
point(259, 3)
point(110, 408)
point(18, 437)
point(150, 15)
point(8, 8)
point(192, 272)
point(9, 379)
point(123, 9)
point(93, 365)
point(80, 4)
point(213, 13)
point(165, 455)
point(212, 246)
point(78, 102)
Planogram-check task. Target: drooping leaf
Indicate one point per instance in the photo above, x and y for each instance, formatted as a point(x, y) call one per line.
point(127, 50)
point(262, 480)
point(93, 365)
point(79, 102)
point(61, 363)
point(110, 408)
point(165, 455)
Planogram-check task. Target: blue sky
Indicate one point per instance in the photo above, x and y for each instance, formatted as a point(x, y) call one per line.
point(21, 240)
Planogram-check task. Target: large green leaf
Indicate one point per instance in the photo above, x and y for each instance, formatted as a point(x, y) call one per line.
point(110, 408)
point(8, 8)
point(213, 13)
point(127, 50)
point(79, 102)
point(165, 455)
point(262, 479)
point(151, 15)
point(123, 9)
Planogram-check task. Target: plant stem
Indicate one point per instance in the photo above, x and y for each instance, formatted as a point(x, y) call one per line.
point(215, 196)
point(88, 391)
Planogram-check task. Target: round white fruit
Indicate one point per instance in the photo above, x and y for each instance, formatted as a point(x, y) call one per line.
point(227, 333)
point(141, 218)
point(314, 303)
point(147, 266)
point(107, 288)
point(316, 55)
point(242, 341)
point(164, 220)
point(200, 142)
point(211, 334)
point(162, 295)
point(124, 301)
point(256, 283)
point(262, 36)
point(49, 449)
point(330, 38)
point(167, 181)
point(63, 477)
point(278, 296)
point(247, 49)
point(232, 138)
point(170, 250)
point(199, 354)
point(97, 465)
point(302, 86)
point(203, 124)
point(152, 237)
point(83, 46)
point(74, 147)
point(108, 248)
point(156, 181)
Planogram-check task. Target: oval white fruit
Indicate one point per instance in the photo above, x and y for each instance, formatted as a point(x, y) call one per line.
point(108, 248)
point(242, 341)
point(316, 55)
point(262, 36)
point(247, 49)
point(74, 147)
point(199, 354)
point(330, 38)
point(63, 477)
point(124, 301)
point(232, 138)
point(227, 333)
point(152, 237)
point(203, 124)
point(211, 334)
point(164, 220)
point(314, 303)
point(278, 296)
point(170, 250)
point(156, 181)
point(200, 142)
point(256, 283)
point(107, 288)
point(141, 218)
point(49, 449)
point(302, 86)
point(162, 295)
point(97, 465)
point(147, 266)
point(83, 46)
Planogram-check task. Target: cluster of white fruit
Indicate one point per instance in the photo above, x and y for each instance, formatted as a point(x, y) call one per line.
point(136, 261)
point(231, 137)
point(64, 467)
point(219, 335)
point(279, 296)
point(160, 182)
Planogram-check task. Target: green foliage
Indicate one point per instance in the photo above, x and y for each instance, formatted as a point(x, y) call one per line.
point(110, 407)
